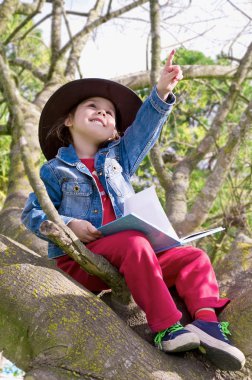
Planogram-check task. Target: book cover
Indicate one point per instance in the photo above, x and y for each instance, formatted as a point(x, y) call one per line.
point(144, 213)
point(159, 240)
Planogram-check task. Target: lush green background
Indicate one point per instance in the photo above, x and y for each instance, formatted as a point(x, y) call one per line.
point(197, 103)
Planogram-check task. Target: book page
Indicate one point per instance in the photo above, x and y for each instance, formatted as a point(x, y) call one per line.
point(159, 240)
point(201, 234)
point(147, 206)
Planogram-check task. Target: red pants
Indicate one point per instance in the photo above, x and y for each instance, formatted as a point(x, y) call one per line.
point(148, 276)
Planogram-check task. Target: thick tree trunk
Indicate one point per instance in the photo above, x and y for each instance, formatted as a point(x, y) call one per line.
point(234, 272)
point(58, 328)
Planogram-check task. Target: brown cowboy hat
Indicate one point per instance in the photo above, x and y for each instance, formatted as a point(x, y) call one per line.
point(126, 102)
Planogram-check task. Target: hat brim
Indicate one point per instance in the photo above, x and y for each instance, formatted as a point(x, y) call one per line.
point(126, 102)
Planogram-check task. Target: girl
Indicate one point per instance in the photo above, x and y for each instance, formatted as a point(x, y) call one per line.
point(87, 177)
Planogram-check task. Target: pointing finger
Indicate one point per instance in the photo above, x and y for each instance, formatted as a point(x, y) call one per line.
point(170, 58)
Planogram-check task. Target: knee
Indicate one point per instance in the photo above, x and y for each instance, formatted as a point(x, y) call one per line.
point(200, 255)
point(136, 244)
point(133, 239)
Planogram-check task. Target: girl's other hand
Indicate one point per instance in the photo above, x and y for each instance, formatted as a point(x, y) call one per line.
point(170, 76)
point(84, 230)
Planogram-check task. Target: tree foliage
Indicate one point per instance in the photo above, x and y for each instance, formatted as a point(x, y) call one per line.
point(197, 104)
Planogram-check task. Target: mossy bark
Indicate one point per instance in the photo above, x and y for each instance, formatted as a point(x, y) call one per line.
point(51, 325)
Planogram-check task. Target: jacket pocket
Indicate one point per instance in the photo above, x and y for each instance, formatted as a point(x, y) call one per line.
point(76, 200)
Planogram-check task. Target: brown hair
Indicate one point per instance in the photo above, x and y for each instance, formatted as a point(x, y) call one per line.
point(60, 131)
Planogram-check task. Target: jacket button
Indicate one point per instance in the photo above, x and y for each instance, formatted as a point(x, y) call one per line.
point(95, 211)
point(100, 173)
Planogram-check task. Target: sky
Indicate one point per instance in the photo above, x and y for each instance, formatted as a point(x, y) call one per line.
point(115, 49)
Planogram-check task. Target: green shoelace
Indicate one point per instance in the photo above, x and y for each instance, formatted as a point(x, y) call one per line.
point(177, 326)
point(158, 338)
point(224, 329)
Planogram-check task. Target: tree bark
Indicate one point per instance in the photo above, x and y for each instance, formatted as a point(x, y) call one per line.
point(55, 322)
point(141, 79)
point(234, 272)
point(155, 154)
point(79, 43)
point(204, 201)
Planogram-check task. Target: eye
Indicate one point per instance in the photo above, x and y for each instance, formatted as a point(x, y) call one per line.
point(92, 105)
point(110, 113)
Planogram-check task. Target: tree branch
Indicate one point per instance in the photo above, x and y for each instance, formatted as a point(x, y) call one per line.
point(82, 14)
point(141, 79)
point(177, 207)
point(58, 6)
point(164, 176)
point(30, 67)
point(25, 21)
point(224, 109)
point(93, 264)
point(79, 43)
point(235, 39)
point(35, 26)
point(7, 9)
point(206, 198)
point(70, 38)
point(155, 41)
point(10, 89)
point(182, 43)
point(27, 9)
point(101, 20)
point(155, 154)
point(239, 9)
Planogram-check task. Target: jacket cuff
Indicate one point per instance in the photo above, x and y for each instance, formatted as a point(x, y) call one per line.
point(171, 98)
point(159, 104)
point(66, 219)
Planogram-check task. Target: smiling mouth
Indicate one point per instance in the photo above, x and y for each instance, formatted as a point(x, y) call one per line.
point(98, 121)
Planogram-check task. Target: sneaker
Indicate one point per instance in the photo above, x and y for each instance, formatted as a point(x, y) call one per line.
point(216, 345)
point(176, 339)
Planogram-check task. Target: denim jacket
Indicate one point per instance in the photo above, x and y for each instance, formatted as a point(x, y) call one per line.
point(70, 184)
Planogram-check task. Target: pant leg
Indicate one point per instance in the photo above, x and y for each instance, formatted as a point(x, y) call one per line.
point(71, 267)
point(135, 259)
point(191, 271)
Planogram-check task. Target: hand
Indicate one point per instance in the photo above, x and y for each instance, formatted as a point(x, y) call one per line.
point(84, 230)
point(170, 76)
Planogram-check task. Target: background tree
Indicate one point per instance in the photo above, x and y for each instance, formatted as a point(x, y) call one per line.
point(49, 325)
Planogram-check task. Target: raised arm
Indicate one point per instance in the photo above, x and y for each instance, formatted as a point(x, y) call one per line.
point(140, 137)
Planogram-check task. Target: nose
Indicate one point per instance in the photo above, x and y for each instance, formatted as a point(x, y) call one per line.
point(102, 112)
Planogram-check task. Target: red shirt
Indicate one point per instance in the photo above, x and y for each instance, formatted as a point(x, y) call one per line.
point(108, 211)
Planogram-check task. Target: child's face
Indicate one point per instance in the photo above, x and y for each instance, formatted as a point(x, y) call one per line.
point(93, 121)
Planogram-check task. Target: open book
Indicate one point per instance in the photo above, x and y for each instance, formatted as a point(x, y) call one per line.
point(143, 212)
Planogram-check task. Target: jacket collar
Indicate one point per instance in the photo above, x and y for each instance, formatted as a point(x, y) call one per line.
point(69, 156)
point(111, 145)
